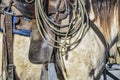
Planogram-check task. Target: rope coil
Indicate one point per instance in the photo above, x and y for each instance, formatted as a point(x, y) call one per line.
point(75, 26)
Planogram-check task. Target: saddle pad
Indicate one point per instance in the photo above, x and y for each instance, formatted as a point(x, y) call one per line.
point(40, 51)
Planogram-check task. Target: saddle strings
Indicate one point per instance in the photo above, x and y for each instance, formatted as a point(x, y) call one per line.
point(75, 27)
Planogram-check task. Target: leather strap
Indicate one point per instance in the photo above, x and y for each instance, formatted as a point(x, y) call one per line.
point(8, 48)
point(100, 36)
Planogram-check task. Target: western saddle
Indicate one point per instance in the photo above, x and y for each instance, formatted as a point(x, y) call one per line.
point(44, 50)
point(40, 52)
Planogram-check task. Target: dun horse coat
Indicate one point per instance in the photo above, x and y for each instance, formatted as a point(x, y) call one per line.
point(87, 60)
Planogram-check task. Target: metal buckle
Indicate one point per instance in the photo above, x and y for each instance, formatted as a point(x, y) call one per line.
point(8, 13)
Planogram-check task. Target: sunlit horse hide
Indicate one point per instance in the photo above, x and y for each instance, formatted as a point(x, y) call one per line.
point(107, 18)
point(87, 59)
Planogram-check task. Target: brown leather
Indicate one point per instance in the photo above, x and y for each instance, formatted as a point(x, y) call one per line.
point(8, 48)
point(27, 10)
point(40, 51)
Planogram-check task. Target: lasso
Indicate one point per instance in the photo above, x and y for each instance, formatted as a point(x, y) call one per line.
point(75, 26)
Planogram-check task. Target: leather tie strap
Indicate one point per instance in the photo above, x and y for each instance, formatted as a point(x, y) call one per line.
point(100, 36)
point(8, 48)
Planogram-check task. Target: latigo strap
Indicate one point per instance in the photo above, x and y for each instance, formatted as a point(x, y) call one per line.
point(7, 61)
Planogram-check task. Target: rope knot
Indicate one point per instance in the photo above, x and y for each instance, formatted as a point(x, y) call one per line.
point(63, 48)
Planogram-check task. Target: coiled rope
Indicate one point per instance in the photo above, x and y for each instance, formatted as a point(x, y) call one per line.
point(29, 1)
point(75, 27)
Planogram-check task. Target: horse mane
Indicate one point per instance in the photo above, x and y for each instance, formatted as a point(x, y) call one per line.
point(104, 11)
point(103, 7)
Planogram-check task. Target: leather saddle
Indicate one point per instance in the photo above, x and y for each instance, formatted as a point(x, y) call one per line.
point(40, 52)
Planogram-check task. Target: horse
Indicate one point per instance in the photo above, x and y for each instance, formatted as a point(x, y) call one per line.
point(90, 54)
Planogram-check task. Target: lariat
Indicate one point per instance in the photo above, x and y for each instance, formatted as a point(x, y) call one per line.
point(76, 24)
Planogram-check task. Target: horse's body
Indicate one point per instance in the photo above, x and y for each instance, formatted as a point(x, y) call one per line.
point(87, 60)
